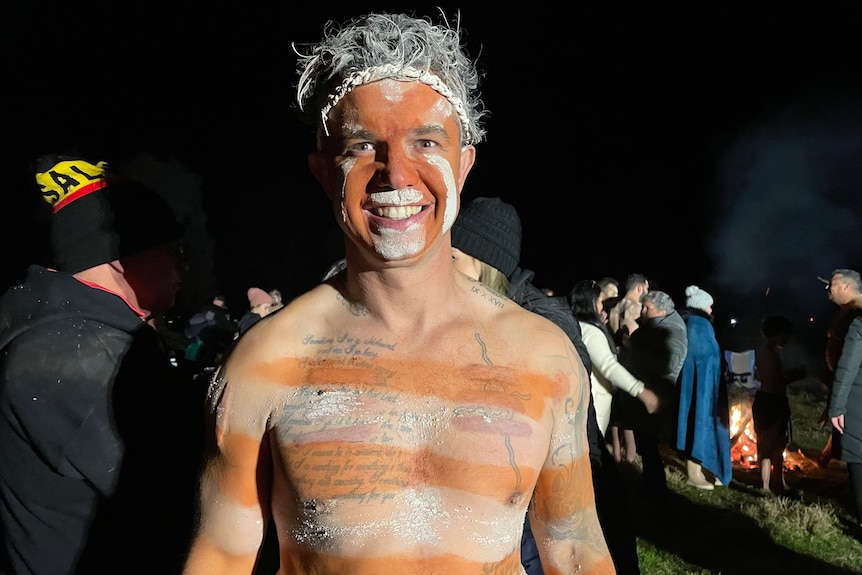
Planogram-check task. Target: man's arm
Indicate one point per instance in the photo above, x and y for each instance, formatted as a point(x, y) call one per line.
point(235, 494)
point(563, 510)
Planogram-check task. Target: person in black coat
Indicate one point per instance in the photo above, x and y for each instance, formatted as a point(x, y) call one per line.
point(100, 435)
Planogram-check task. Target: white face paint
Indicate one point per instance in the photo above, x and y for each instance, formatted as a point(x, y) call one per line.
point(346, 166)
point(393, 92)
point(451, 191)
point(443, 107)
point(396, 243)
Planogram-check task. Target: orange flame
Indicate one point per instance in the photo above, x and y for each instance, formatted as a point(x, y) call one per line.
point(743, 440)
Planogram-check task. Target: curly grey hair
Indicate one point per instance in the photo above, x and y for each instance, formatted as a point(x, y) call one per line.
point(378, 46)
point(662, 301)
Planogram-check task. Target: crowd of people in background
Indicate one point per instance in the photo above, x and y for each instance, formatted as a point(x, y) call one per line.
point(656, 375)
point(96, 409)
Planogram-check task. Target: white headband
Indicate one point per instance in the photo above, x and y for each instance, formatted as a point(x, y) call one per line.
point(406, 73)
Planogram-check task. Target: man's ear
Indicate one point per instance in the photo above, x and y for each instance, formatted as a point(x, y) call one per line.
point(319, 167)
point(468, 158)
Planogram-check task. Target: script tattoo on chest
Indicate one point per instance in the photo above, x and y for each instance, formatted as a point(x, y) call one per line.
point(346, 345)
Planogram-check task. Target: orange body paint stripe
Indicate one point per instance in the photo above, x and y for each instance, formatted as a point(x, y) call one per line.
point(483, 385)
point(441, 565)
point(240, 451)
point(603, 567)
point(338, 469)
point(478, 424)
point(565, 490)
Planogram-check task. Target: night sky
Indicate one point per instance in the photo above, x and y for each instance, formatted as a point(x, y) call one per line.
point(714, 145)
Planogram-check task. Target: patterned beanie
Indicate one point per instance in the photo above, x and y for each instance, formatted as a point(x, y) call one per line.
point(489, 229)
point(98, 217)
point(697, 298)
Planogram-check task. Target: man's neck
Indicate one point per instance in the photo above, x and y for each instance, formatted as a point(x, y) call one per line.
point(411, 295)
point(109, 278)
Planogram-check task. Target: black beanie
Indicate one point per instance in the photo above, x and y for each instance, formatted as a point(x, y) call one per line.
point(489, 229)
point(97, 217)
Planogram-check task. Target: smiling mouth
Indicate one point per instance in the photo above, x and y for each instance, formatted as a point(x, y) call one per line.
point(396, 212)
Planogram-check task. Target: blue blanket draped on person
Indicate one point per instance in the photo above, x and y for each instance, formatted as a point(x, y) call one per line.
point(702, 427)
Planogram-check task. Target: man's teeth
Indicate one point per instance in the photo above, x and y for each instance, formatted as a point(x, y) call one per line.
point(397, 212)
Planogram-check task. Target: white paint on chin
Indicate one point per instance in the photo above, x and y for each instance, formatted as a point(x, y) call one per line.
point(396, 244)
point(451, 191)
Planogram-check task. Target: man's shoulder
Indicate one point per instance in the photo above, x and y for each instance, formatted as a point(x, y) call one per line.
point(526, 317)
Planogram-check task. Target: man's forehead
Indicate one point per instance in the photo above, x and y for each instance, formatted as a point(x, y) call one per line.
point(408, 76)
point(367, 108)
point(395, 92)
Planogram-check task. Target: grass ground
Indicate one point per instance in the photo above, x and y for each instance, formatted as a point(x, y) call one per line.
point(739, 529)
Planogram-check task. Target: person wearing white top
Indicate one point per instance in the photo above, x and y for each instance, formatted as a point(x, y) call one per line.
point(607, 372)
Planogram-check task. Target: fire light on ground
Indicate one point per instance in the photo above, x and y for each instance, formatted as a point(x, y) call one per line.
point(743, 440)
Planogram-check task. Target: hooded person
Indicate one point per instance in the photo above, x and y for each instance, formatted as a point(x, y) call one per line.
point(93, 415)
point(489, 231)
point(702, 433)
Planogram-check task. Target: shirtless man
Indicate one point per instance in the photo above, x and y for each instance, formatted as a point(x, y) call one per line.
point(398, 418)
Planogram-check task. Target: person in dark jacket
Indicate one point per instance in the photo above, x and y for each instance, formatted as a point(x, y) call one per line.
point(486, 242)
point(210, 332)
point(100, 436)
point(845, 398)
point(655, 353)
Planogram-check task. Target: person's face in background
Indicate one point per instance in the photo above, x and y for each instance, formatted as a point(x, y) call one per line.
point(467, 264)
point(155, 276)
point(600, 307)
point(839, 290)
point(649, 310)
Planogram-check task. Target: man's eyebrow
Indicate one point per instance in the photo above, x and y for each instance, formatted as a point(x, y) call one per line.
point(356, 133)
point(430, 130)
point(360, 133)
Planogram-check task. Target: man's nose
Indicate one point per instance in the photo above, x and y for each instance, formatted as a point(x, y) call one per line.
point(397, 169)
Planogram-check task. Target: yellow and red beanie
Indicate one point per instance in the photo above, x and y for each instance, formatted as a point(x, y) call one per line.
point(99, 217)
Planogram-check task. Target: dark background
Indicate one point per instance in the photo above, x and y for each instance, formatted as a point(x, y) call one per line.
point(717, 145)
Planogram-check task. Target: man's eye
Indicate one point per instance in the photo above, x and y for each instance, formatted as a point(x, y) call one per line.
point(427, 144)
point(361, 147)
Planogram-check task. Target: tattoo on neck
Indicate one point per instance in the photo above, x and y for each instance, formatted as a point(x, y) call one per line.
point(354, 308)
